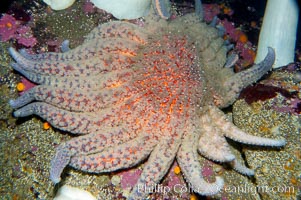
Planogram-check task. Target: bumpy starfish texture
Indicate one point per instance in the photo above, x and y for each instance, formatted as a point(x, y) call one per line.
point(141, 93)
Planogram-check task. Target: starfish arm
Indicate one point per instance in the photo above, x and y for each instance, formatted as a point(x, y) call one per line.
point(68, 99)
point(59, 162)
point(74, 122)
point(199, 11)
point(63, 82)
point(187, 158)
point(76, 54)
point(162, 8)
point(231, 60)
point(234, 133)
point(124, 30)
point(41, 56)
point(114, 158)
point(156, 167)
point(87, 101)
point(228, 90)
point(252, 74)
point(87, 144)
point(118, 29)
point(239, 167)
point(65, 46)
point(91, 82)
point(98, 141)
point(113, 54)
point(216, 148)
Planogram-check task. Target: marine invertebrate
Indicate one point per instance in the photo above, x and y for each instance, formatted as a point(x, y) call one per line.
point(72, 193)
point(121, 9)
point(124, 9)
point(134, 93)
point(25, 37)
point(133, 9)
point(10, 28)
point(59, 4)
point(282, 33)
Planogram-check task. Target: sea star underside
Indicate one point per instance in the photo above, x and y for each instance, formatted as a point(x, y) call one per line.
point(141, 93)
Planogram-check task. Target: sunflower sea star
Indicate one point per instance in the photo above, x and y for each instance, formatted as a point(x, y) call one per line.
point(136, 94)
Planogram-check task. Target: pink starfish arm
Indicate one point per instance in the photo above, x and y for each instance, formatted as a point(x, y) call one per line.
point(234, 133)
point(187, 158)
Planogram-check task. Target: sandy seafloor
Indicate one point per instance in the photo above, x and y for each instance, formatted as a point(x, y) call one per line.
point(27, 148)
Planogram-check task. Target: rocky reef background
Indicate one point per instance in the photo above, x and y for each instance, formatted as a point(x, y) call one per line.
point(269, 108)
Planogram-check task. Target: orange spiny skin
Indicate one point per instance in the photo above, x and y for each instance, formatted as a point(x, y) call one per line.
point(141, 93)
point(169, 79)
